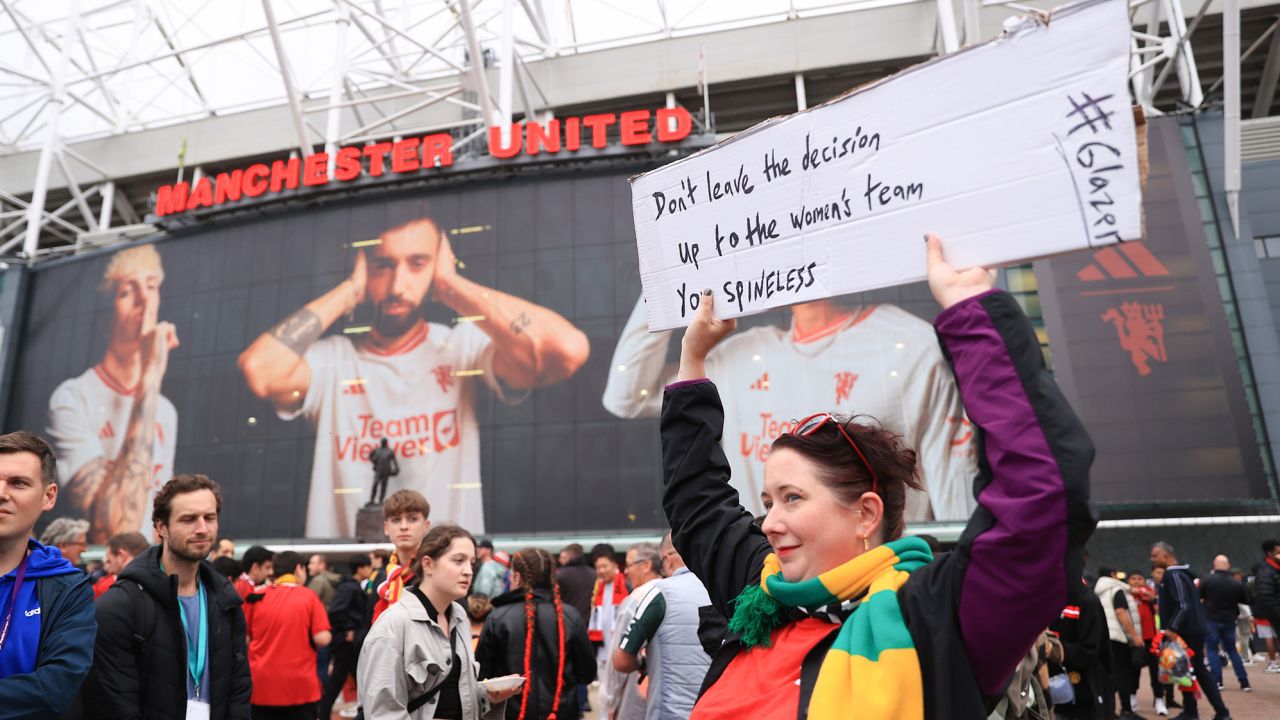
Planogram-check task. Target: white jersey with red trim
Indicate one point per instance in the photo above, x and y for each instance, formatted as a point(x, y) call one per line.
point(89, 418)
point(419, 395)
point(881, 361)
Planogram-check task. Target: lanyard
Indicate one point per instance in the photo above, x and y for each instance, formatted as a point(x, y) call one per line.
point(13, 598)
point(197, 656)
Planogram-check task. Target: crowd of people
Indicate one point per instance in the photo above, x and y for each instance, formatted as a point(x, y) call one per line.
point(1103, 644)
point(822, 607)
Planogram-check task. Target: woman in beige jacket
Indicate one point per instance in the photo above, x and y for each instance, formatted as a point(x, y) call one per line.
point(417, 661)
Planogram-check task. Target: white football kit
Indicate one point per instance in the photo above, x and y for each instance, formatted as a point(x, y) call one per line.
point(89, 418)
point(419, 396)
point(882, 361)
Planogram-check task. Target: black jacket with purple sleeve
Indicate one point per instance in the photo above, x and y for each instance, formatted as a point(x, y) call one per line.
point(973, 613)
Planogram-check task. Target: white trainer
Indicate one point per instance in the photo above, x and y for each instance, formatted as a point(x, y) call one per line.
point(1161, 709)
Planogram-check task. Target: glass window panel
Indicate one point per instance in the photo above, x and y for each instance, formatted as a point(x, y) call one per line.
point(1224, 288)
point(1206, 208)
point(1193, 160)
point(1211, 233)
point(1219, 264)
point(1202, 189)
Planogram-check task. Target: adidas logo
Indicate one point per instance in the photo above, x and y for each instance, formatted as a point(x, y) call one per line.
point(1131, 260)
point(106, 432)
point(354, 387)
point(761, 384)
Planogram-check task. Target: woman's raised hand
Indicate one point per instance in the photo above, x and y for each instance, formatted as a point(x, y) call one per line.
point(703, 334)
point(949, 286)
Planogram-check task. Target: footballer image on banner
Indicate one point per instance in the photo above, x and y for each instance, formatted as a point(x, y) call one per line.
point(113, 432)
point(405, 379)
point(836, 355)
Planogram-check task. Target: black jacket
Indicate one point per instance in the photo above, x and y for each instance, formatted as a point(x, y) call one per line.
point(500, 651)
point(1033, 486)
point(1083, 632)
point(1266, 592)
point(349, 610)
point(577, 581)
point(140, 657)
point(1222, 595)
point(1180, 609)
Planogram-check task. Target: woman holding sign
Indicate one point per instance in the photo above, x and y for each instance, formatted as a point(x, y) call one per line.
point(833, 612)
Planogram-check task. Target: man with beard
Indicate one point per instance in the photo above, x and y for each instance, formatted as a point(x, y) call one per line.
point(113, 431)
point(406, 379)
point(171, 634)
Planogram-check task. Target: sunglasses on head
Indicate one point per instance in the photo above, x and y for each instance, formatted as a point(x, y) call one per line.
point(814, 422)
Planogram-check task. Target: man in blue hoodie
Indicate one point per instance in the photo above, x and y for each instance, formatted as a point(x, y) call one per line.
point(47, 622)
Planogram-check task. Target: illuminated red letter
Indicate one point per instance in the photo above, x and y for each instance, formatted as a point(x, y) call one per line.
point(635, 128)
point(404, 156)
point(437, 150)
point(540, 137)
point(316, 170)
point(254, 181)
point(572, 133)
point(495, 141)
point(285, 174)
point(347, 166)
point(227, 187)
point(201, 194)
point(599, 125)
point(172, 198)
point(375, 154)
point(683, 124)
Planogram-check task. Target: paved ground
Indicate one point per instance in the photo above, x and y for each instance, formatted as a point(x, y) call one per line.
point(1261, 704)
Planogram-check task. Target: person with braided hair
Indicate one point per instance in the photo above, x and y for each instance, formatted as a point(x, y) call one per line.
point(416, 662)
point(833, 612)
point(532, 632)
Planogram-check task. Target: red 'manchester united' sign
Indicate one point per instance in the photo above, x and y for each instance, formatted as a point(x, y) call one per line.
point(635, 127)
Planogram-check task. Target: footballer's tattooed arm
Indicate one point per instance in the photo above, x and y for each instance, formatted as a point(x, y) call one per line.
point(533, 346)
point(299, 330)
point(275, 365)
point(112, 492)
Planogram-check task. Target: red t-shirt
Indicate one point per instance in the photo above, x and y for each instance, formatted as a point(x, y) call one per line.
point(763, 683)
point(243, 587)
point(281, 659)
point(103, 584)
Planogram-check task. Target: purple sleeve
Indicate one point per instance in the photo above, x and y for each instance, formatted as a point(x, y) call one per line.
point(1034, 476)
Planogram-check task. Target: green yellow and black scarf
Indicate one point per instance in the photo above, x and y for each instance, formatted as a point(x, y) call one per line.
point(871, 671)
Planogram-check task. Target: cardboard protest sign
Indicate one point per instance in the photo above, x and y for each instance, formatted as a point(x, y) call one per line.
point(1020, 148)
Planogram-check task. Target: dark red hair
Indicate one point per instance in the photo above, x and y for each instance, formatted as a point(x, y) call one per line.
point(841, 470)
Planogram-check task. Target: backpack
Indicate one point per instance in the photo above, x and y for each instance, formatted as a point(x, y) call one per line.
point(144, 617)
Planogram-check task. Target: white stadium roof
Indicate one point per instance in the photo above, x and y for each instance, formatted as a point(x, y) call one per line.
point(98, 98)
point(131, 65)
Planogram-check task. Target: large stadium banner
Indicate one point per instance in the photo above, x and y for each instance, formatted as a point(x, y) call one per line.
point(492, 334)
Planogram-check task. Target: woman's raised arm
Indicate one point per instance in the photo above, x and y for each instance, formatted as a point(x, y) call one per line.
point(1021, 550)
point(715, 535)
